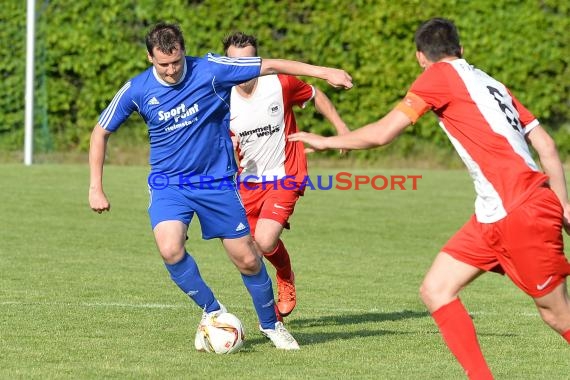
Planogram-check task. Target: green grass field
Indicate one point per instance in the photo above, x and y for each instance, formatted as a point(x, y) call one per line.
point(85, 296)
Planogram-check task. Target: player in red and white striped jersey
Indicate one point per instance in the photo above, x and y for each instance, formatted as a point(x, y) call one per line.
point(519, 211)
point(271, 169)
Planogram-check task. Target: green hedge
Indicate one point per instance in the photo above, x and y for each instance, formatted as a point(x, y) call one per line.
point(86, 50)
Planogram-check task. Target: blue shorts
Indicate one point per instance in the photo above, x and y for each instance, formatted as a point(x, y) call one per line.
point(219, 208)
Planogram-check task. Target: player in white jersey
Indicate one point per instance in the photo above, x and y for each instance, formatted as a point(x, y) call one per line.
point(519, 211)
point(185, 103)
point(261, 118)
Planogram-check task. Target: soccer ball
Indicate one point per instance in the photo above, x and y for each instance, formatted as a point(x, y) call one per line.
point(221, 334)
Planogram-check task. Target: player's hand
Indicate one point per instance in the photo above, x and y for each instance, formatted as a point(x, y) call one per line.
point(339, 78)
point(315, 142)
point(98, 201)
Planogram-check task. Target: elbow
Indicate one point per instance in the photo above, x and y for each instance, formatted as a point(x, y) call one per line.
point(99, 135)
point(549, 148)
point(549, 154)
point(268, 67)
point(385, 138)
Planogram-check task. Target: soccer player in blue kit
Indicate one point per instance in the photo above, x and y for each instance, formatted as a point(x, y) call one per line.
point(184, 101)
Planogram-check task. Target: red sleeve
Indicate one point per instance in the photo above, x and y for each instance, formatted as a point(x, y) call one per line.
point(430, 91)
point(432, 86)
point(295, 91)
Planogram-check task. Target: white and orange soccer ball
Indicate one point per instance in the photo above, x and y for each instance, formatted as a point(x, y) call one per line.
point(220, 334)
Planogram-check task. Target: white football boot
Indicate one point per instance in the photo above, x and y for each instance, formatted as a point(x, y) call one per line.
point(280, 337)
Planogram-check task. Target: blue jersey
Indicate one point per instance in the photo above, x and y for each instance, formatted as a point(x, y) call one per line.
point(188, 122)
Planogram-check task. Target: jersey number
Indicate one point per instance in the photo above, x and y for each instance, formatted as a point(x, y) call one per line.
point(509, 114)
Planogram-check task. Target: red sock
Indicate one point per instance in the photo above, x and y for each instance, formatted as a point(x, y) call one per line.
point(566, 336)
point(459, 334)
point(280, 260)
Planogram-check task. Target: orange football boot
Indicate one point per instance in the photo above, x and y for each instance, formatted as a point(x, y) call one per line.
point(286, 295)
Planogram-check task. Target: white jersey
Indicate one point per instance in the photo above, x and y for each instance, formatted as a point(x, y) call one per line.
point(262, 123)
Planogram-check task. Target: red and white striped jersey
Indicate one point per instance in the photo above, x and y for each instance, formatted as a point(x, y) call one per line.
point(487, 126)
point(262, 123)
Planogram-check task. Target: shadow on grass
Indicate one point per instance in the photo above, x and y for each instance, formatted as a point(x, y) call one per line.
point(353, 319)
point(309, 338)
point(306, 339)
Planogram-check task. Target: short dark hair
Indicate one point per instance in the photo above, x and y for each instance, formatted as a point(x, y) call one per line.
point(165, 37)
point(240, 40)
point(438, 38)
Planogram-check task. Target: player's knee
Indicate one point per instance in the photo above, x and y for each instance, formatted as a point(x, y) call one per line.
point(434, 295)
point(171, 253)
point(425, 293)
point(553, 320)
point(266, 245)
point(249, 265)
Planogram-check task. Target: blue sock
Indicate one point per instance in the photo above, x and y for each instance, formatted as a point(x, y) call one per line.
point(186, 275)
point(260, 288)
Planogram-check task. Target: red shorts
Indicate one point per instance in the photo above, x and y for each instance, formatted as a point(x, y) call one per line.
point(527, 244)
point(267, 201)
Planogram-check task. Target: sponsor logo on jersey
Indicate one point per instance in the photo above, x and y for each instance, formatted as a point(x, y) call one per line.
point(180, 112)
point(267, 130)
point(274, 109)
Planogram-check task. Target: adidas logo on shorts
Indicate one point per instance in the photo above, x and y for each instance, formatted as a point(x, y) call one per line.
point(240, 227)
